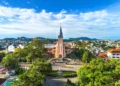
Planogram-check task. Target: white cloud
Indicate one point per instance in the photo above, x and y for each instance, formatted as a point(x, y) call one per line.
point(5, 3)
point(94, 15)
point(98, 24)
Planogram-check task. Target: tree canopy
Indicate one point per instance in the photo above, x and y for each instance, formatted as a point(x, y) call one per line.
point(9, 61)
point(87, 56)
point(35, 75)
point(81, 54)
point(2, 54)
point(69, 83)
point(34, 53)
point(99, 73)
point(34, 50)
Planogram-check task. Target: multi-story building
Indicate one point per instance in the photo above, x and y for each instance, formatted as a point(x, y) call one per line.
point(114, 53)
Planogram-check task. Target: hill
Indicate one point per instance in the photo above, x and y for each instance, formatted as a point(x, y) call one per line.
point(82, 38)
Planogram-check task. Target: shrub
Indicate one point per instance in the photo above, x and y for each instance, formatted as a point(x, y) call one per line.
point(69, 83)
point(53, 74)
point(67, 74)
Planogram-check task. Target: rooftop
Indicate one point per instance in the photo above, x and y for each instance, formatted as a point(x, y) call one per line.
point(114, 50)
point(103, 55)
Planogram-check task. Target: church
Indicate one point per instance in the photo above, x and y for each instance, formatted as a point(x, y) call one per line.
point(60, 48)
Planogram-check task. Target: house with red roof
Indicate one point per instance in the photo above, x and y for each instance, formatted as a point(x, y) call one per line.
point(103, 55)
point(114, 53)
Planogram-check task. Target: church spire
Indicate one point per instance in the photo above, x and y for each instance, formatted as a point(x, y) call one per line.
point(61, 34)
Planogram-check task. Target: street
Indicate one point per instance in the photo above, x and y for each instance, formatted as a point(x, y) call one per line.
point(57, 81)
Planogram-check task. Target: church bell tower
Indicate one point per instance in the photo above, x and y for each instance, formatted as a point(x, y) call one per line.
point(60, 49)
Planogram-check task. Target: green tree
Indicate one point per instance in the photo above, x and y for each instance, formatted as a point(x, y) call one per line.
point(99, 73)
point(69, 83)
point(35, 75)
point(2, 54)
point(76, 53)
point(87, 56)
point(81, 44)
point(9, 61)
point(42, 66)
point(34, 50)
point(20, 54)
point(30, 78)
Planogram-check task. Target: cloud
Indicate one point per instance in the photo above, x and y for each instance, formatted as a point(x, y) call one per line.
point(97, 24)
point(94, 15)
point(5, 3)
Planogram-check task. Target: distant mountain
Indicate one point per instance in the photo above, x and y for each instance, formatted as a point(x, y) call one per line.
point(48, 39)
point(82, 38)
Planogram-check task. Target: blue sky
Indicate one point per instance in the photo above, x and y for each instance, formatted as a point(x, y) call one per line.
point(32, 18)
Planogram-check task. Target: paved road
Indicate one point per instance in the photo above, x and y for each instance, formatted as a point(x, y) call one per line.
point(58, 81)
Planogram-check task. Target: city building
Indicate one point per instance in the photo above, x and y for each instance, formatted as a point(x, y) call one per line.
point(60, 49)
point(21, 46)
point(103, 55)
point(114, 53)
point(10, 48)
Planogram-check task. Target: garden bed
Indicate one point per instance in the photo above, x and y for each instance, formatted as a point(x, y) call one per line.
point(65, 74)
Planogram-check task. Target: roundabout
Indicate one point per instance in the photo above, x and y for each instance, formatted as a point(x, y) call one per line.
point(60, 60)
point(64, 64)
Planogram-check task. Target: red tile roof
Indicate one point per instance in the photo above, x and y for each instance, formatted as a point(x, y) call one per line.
point(103, 55)
point(114, 50)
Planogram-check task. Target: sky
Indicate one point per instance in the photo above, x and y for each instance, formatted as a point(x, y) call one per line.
point(41, 18)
